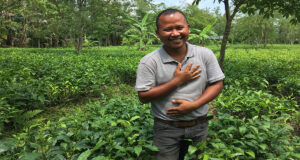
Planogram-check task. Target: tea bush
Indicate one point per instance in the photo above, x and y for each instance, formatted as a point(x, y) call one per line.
point(98, 132)
point(254, 138)
point(259, 101)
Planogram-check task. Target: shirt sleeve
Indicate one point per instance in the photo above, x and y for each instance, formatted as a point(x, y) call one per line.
point(145, 78)
point(214, 72)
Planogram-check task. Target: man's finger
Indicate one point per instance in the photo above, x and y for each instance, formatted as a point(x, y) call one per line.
point(188, 67)
point(195, 68)
point(173, 109)
point(178, 67)
point(178, 101)
point(196, 76)
point(196, 72)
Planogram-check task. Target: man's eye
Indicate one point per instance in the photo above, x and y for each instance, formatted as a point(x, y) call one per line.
point(168, 29)
point(179, 28)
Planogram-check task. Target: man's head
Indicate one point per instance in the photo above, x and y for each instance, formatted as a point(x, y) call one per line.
point(172, 28)
point(168, 12)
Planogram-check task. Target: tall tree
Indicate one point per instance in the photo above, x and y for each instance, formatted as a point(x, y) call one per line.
point(287, 32)
point(265, 8)
point(255, 30)
point(10, 24)
point(198, 18)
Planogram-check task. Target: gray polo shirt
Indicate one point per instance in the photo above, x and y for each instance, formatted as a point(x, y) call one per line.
point(158, 67)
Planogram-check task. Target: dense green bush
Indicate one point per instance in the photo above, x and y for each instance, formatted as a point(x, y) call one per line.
point(254, 138)
point(275, 69)
point(32, 80)
point(258, 102)
point(249, 102)
point(99, 132)
point(121, 128)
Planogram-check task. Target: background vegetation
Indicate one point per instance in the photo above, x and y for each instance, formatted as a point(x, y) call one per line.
point(60, 23)
point(57, 102)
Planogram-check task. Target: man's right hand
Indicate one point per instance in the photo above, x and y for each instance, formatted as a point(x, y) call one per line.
point(180, 77)
point(189, 73)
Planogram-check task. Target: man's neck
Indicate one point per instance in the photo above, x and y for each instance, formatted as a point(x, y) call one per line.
point(177, 54)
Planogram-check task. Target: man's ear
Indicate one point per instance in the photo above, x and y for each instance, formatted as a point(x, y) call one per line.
point(189, 28)
point(157, 33)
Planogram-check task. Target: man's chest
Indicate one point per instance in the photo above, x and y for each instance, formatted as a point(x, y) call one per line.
point(165, 71)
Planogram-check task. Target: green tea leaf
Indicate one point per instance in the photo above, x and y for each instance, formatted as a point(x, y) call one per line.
point(263, 146)
point(236, 154)
point(192, 149)
point(297, 155)
point(254, 129)
point(85, 155)
point(99, 158)
point(151, 147)
point(134, 118)
point(138, 150)
point(99, 145)
point(251, 153)
point(120, 148)
point(31, 156)
point(242, 130)
point(206, 157)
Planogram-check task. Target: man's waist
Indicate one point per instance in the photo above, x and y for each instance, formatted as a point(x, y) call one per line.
point(189, 123)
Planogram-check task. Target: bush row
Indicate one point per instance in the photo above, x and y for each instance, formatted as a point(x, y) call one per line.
point(100, 132)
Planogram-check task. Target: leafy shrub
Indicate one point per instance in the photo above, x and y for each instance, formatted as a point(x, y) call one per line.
point(255, 138)
point(275, 69)
point(98, 132)
point(249, 103)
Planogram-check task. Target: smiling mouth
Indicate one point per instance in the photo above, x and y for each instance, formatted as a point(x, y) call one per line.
point(176, 38)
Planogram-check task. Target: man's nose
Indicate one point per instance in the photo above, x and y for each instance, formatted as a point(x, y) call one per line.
point(175, 32)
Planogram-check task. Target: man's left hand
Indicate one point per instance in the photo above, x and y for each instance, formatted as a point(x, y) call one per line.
point(184, 107)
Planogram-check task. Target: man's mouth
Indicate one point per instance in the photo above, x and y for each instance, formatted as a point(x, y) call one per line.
point(175, 38)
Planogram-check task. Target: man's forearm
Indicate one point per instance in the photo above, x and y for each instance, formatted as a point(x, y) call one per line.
point(185, 107)
point(158, 91)
point(209, 94)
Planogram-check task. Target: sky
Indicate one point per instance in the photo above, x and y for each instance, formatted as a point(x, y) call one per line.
point(203, 4)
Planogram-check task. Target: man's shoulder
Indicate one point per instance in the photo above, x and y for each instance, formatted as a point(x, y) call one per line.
point(153, 56)
point(200, 50)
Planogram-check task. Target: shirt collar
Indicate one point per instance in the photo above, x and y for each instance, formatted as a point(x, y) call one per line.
point(166, 58)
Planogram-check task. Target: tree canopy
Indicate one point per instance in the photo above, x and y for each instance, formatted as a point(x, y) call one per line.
point(71, 23)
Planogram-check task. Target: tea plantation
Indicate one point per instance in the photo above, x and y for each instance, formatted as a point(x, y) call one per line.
point(56, 104)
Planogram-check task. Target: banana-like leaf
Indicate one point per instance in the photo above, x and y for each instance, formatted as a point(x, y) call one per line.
point(208, 27)
point(145, 19)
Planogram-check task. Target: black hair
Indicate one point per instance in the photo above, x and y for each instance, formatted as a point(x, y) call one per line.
point(168, 12)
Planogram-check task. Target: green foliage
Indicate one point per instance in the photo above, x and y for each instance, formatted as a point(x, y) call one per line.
point(10, 116)
point(139, 35)
point(204, 34)
point(255, 138)
point(98, 131)
point(250, 102)
point(41, 79)
point(274, 69)
point(254, 109)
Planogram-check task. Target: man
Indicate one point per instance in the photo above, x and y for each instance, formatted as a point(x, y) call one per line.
point(170, 79)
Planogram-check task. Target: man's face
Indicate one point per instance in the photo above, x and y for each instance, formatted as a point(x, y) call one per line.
point(173, 30)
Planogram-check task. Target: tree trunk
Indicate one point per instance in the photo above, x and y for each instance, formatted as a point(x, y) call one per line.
point(24, 36)
point(9, 37)
point(265, 39)
point(39, 43)
point(224, 43)
point(229, 19)
point(51, 42)
point(99, 42)
point(56, 41)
